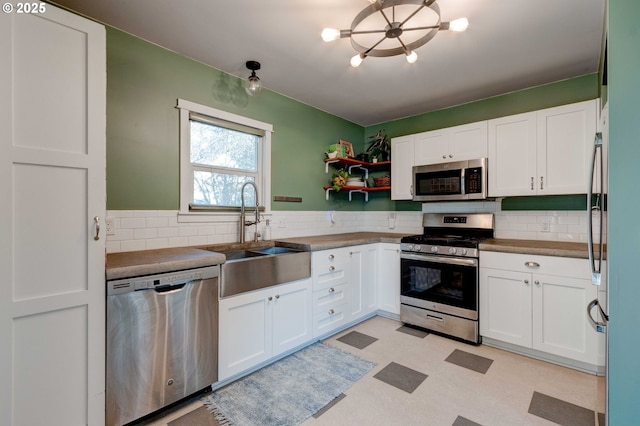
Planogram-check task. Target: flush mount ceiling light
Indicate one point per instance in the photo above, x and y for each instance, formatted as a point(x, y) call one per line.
point(408, 25)
point(253, 85)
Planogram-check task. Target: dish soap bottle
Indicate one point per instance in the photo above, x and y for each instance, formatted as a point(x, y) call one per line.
point(266, 235)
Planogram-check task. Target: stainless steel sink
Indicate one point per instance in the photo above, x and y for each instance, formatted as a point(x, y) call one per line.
point(253, 269)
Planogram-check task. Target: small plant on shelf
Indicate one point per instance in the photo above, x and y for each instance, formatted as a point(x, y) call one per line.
point(339, 179)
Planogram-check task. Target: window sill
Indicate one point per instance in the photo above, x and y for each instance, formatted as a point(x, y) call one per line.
point(212, 216)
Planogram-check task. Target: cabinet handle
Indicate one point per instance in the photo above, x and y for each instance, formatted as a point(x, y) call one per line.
point(332, 268)
point(331, 290)
point(532, 264)
point(331, 257)
point(97, 221)
point(277, 296)
point(526, 281)
point(411, 189)
point(331, 312)
point(450, 156)
point(537, 282)
point(532, 183)
point(444, 156)
point(541, 182)
point(270, 298)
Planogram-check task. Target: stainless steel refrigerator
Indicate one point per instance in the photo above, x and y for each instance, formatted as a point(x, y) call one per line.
point(598, 308)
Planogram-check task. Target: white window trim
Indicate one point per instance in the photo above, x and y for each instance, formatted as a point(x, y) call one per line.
point(186, 180)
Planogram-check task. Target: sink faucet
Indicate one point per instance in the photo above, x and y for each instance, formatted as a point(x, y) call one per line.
point(243, 222)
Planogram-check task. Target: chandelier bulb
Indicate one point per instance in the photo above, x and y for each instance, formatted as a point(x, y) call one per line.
point(357, 60)
point(459, 24)
point(330, 34)
point(412, 56)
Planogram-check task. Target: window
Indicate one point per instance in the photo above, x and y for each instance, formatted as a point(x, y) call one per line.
point(219, 153)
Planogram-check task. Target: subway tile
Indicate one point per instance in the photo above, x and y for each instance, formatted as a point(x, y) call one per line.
point(133, 245)
point(132, 222)
point(157, 222)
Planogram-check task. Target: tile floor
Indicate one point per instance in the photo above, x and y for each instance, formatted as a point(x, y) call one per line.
point(426, 379)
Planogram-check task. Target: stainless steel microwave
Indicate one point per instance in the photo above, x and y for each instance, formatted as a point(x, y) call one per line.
point(459, 180)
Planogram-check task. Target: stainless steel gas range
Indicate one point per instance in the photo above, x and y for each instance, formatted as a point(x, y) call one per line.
point(439, 274)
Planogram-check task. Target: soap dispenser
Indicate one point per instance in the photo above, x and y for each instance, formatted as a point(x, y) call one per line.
point(266, 235)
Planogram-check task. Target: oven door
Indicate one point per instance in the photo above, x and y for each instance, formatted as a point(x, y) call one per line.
point(440, 283)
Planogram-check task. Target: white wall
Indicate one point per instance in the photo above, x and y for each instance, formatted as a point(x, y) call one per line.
point(153, 229)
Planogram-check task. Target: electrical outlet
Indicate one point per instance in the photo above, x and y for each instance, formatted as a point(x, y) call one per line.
point(546, 227)
point(281, 224)
point(109, 224)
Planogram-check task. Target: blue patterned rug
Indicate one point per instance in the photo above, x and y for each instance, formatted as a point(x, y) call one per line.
point(289, 391)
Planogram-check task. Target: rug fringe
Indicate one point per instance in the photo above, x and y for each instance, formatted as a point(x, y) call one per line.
point(217, 413)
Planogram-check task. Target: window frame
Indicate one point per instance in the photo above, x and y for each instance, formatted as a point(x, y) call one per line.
point(187, 169)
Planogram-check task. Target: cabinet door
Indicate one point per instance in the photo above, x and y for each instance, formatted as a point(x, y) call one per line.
point(505, 306)
point(468, 142)
point(52, 186)
point(401, 167)
point(564, 143)
point(512, 155)
point(245, 332)
point(560, 324)
point(362, 294)
point(292, 315)
point(432, 147)
point(389, 278)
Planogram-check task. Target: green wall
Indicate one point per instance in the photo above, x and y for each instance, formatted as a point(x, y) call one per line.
point(624, 205)
point(144, 81)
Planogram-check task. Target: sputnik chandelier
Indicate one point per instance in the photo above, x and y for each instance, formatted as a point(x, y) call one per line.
point(405, 25)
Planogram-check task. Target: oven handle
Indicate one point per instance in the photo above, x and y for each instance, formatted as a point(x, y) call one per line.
point(440, 259)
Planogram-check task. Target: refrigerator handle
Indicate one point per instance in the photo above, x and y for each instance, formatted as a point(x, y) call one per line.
point(600, 326)
point(596, 264)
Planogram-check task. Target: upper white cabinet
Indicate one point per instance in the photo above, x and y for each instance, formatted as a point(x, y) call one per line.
point(403, 161)
point(545, 152)
point(53, 191)
point(459, 143)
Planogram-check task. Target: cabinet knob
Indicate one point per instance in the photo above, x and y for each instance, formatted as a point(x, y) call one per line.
point(332, 268)
point(444, 156)
point(536, 282)
point(331, 312)
point(526, 281)
point(269, 298)
point(277, 296)
point(450, 156)
point(331, 290)
point(331, 257)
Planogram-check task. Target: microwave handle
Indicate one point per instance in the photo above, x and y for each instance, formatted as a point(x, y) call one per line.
point(463, 190)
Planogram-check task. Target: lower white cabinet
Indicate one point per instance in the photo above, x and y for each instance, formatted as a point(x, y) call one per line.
point(388, 277)
point(259, 325)
point(540, 303)
point(363, 295)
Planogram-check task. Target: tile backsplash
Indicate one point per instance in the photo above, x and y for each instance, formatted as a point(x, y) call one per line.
point(152, 229)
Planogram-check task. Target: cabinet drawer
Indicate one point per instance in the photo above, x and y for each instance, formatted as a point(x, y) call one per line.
point(322, 261)
point(548, 265)
point(332, 276)
point(325, 299)
point(329, 319)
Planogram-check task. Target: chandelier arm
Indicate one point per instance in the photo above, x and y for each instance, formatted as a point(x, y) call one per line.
point(431, 27)
point(374, 46)
point(384, 15)
point(368, 32)
point(412, 15)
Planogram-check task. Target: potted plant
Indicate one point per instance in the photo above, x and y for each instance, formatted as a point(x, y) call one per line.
point(339, 179)
point(380, 148)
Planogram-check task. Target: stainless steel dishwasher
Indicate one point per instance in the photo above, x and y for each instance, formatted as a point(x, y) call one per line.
point(162, 340)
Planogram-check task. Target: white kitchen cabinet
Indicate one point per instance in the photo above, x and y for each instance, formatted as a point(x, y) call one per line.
point(259, 325)
point(401, 167)
point(363, 296)
point(539, 303)
point(388, 278)
point(331, 272)
point(53, 191)
point(545, 152)
point(458, 143)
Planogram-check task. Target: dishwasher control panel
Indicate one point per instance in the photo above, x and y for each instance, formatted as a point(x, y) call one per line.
point(161, 281)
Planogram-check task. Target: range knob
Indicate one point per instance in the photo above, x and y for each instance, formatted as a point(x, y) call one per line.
point(409, 247)
point(452, 250)
point(463, 252)
point(434, 249)
point(417, 247)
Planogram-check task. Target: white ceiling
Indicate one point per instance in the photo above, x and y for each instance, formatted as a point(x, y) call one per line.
point(509, 45)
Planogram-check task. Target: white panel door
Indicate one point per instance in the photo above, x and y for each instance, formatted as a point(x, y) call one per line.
point(468, 141)
point(52, 183)
point(292, 315)
point(432, 147)
point(402, 162)
point(388, 270)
